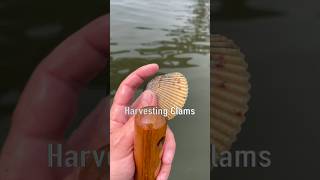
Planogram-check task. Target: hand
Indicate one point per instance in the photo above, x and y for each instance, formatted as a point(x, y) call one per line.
point(48, 103)
point(122, 166)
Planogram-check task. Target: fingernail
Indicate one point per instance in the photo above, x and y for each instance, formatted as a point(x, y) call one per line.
point(148, 98)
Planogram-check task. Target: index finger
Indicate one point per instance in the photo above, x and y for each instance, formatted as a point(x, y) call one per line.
point(126, 91)
point(129, 85)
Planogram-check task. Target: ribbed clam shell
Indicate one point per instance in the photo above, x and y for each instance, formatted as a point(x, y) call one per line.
point(171, 90)
point(229, 91)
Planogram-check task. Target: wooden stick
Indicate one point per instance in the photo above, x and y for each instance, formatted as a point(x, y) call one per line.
point(150, 131)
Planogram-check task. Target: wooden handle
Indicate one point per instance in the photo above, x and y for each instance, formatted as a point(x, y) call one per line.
point(150, 131)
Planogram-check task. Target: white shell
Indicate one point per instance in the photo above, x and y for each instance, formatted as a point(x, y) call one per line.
point(171, 90)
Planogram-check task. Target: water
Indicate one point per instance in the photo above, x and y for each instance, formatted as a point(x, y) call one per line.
point(281, 42)
point(175, 35)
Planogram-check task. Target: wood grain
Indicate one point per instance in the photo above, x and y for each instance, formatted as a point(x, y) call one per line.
point(150, 131)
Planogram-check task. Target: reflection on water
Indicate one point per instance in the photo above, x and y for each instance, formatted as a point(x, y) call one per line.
point(122, 67)
point(175, 35)
point(170, 35)
point(238, 9)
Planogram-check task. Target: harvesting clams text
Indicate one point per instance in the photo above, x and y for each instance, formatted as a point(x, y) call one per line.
point(159, 111)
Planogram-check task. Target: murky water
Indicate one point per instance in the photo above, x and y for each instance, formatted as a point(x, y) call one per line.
point(175, 35)
point(281, 42)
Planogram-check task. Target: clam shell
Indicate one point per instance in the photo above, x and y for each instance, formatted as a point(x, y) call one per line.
point(171, 90)
point(229, 92)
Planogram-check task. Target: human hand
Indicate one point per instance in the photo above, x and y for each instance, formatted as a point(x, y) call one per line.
point(122, 165)
point(48, 104)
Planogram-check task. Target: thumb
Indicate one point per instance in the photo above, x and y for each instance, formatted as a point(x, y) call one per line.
point(121, 140)
point(147, 98)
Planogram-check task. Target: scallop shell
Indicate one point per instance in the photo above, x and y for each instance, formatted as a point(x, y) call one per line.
point(229, 92)
point(171, 90)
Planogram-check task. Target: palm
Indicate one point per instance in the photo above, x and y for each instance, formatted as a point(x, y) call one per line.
point(122, 126)
point(48, 103)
